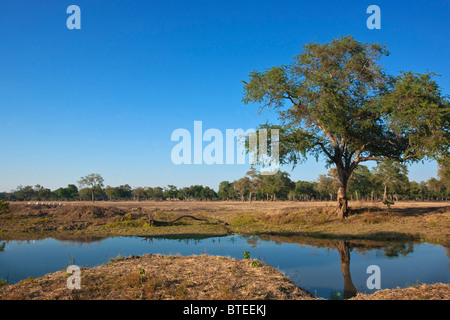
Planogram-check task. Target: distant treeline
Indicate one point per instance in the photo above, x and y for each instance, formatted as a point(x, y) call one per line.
point(386, 181)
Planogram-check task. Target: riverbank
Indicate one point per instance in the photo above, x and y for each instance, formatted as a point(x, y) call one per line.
point(203, 277)
point(412, 221)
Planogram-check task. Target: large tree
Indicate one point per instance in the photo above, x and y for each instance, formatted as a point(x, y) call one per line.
point(336, 100)
point(93, 181)
point(391, 175)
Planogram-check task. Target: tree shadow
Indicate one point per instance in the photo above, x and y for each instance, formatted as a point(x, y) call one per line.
point(378, 236)
point(399, 211)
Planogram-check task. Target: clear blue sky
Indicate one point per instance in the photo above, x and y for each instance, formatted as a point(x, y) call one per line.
point(105, 99)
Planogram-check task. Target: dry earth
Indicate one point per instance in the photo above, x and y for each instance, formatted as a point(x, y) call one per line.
point(158, 277)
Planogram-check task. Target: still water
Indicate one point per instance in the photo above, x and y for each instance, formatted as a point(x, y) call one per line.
point(326, 268)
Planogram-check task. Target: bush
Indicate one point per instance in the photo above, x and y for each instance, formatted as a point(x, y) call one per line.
point(4, 207)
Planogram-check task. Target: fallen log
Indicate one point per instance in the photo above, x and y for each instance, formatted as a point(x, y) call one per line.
point(160, 223)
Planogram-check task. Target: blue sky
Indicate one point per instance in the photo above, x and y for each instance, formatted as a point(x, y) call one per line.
point(105, 99)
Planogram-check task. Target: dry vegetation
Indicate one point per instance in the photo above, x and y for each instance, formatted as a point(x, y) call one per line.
point(158, 277)
point(421, 221)
point(437, 291)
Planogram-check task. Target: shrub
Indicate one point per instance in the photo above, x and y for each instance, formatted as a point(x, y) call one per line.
point(4, 207)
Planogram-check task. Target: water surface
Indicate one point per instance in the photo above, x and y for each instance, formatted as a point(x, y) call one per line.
point(326, 268)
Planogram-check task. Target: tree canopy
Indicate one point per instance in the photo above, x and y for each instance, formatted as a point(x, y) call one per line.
point(336, 100)
point(93, 181)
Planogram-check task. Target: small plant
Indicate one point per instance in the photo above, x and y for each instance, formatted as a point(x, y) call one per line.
point(255, 263)
point(4, 207)
point(141, 277)
point(388, 203)
point(71, 260)
point(3, 282)
point(335, 295)
point(127, 217)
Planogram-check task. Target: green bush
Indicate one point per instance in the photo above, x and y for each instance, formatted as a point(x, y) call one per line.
point(4, 207)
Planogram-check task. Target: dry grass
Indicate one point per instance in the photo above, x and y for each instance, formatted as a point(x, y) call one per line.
point(158, 277)
point(429, 221)
point(438, 291)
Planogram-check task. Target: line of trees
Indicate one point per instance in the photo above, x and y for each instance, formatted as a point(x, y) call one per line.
point(386, 181)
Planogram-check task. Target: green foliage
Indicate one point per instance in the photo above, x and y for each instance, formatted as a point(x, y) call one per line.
point(3, 282)
point(94, 182)
point(336, 100)
point(255, 263)
point(226, 191)
point(69, 193)
point(122, 192)
point(242, 220)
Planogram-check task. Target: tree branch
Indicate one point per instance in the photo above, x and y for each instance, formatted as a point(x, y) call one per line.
point(324, 150)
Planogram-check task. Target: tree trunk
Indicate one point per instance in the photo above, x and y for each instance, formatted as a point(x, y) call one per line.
point(342, 202)
point(342, 192)
point(385, 192)
point(92, 193)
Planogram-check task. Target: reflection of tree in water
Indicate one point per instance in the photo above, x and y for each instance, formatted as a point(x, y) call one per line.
point(447, 252)
point(2, 246)
point(344, 247)
point(186, 239)
point(344, 256)
point(253, 241)
point(398, 249)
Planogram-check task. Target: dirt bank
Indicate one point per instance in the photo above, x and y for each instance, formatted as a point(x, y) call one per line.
point(437, 291)
point(158, 277)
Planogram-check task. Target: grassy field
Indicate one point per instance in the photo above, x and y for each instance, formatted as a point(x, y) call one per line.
point(420, 221)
